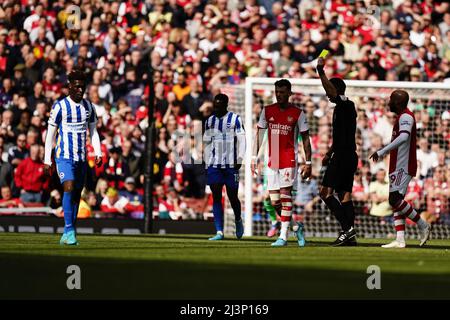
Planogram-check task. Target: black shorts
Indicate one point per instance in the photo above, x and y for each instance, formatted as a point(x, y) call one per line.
point(341, 171)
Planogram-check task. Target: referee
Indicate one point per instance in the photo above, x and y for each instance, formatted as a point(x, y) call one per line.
point(341, 160)
point(224, 152)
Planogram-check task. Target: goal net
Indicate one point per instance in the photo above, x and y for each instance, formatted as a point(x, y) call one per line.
point(428, 191)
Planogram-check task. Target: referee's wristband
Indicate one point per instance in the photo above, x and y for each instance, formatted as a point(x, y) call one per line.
point(308, 163)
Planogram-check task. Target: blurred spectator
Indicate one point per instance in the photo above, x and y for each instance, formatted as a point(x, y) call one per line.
point(113, 202)
point(134, 197)
point(414, 193)
point(427, 158)
point(138, 140)
point(100, 190)
point(177, 112)
point(91, 200)
point(6, 170)
point(55, 202)
point(6, 94)
point(384, 127)
point(51, 86)
point(131, 89)
point(194, 172)
point(7, 201)
point(193, 101)
point(173, 172)
point(24, 123)
point(115, 168)
point(29, 177)
point(360, 194)
point(130, 160)
point(168, 204)
point(182, 88)
point(307, 195)
point(379, 195)
point(84, 210)
point(131, 193)
point(6, 126)
point(19, 152)
point(437, 194)
point(21, 84)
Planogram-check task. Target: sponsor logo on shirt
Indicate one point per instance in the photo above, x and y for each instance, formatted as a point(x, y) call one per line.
point(282, 129)
point(76, 127)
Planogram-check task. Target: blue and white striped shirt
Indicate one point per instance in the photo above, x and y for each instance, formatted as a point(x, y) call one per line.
point(225, 141)
point(72, 120)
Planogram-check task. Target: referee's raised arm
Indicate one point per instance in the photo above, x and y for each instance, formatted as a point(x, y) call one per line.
point(331, 93)
point(327, 85)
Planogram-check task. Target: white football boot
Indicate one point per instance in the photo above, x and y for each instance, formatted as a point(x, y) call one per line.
point(394, 244)
point(425, 235)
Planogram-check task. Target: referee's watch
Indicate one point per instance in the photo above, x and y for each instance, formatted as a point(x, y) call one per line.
point(308, 163)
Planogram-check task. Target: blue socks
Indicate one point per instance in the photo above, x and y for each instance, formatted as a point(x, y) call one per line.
point(218, 216)
point(68, 208)
point(75, 212)
point(76, 204)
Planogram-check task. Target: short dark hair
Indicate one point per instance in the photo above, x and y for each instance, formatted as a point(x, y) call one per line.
point(339, 84)
point(77, 74)
point(283, 83)
point(222, 98)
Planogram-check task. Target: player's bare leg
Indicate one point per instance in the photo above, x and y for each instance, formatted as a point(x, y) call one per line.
point(275, 200)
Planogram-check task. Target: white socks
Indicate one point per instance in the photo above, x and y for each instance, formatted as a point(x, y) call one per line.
point(401, 236)
point(284, 230)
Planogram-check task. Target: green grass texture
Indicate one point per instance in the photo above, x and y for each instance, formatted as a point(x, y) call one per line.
point(34, 266)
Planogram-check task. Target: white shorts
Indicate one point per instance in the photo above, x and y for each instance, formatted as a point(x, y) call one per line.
point(399, 181)
point(280, 178)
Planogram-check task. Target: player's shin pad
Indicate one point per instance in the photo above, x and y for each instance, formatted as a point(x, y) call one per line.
point(286, 207)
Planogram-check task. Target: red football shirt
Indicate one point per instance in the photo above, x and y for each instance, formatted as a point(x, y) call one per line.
point(283, 125)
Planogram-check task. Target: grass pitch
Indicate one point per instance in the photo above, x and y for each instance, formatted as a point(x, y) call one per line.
point(34, 266)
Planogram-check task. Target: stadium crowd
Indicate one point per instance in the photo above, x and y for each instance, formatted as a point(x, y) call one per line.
point(192, 49)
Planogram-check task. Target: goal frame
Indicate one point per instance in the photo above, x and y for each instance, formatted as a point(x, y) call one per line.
point(252, 82)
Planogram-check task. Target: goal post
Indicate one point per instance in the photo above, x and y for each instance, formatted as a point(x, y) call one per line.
point(312, 87)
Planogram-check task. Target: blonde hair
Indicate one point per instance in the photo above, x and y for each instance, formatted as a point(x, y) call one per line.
point(99, 184)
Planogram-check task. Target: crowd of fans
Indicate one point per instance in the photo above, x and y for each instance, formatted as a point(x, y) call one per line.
point(191, 49)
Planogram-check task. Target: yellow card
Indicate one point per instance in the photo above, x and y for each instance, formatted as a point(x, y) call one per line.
point(324, 53)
